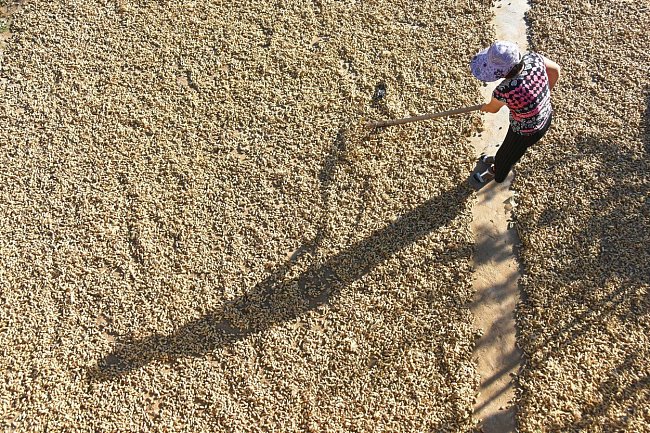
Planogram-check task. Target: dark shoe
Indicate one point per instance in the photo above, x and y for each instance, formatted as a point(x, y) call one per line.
point(487, 159)
point(484, 177)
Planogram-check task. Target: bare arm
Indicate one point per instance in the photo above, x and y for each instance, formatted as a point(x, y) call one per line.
point(493, 106)
point(553, 72)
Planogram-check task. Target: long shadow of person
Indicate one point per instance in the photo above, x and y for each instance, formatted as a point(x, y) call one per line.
point(278, 299)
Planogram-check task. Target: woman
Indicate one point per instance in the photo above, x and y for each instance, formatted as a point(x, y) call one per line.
point(526, 90)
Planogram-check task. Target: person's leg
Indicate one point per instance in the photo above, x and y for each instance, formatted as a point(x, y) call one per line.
point(513, 148)
point(510, 151)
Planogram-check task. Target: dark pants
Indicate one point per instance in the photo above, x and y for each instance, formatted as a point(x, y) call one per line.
point(513, 148)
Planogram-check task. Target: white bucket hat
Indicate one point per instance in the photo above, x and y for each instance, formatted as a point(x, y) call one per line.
point(496, 61)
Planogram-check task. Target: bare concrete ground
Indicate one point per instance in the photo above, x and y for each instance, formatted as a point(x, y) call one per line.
point(496, 268)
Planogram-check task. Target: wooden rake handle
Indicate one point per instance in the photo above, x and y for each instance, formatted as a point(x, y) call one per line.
point(382, 123)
